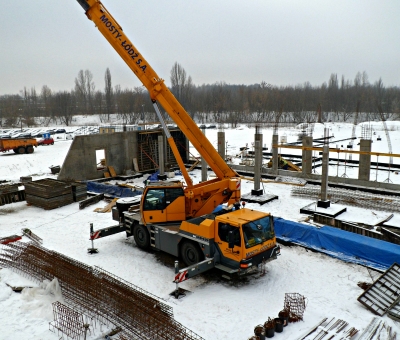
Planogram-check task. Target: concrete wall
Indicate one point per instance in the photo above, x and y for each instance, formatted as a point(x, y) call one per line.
point(80, 164)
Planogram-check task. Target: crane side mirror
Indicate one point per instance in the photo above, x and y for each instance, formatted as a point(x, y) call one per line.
point(231, 240)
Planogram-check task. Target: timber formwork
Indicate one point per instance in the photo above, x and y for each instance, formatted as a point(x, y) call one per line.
point(48, 193)
point(11, 193)
point(148, 150)
point(98, 293)
point(79, 191)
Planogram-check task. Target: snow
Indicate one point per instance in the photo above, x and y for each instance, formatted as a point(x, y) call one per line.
point(215, 308)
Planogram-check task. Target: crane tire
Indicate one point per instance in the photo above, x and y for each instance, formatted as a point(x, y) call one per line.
point(21, 150)
point(141, 236)
point(30, 149)
point(191, 253)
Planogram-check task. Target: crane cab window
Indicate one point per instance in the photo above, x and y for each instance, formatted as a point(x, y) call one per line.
point(171, 194)
point(257, 232)
point(155, 200)
point(223, 231)
point(159, 199)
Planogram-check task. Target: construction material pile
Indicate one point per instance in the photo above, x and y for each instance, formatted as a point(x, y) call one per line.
point(10, 193)
point(98, 293)
point(48, 193)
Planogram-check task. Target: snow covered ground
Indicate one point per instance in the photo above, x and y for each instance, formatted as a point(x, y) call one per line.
point(216, 309)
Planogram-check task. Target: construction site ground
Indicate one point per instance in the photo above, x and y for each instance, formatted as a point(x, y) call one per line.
point(214, 308)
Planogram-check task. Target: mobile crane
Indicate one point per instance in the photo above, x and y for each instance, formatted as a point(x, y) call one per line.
point(177, 218)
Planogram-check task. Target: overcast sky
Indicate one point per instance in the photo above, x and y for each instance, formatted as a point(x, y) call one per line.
point(282, 42)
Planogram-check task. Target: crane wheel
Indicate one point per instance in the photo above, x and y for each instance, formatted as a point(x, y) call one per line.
point(21, 150)
point(30, 149)
point(141, 236)
point(191, 253)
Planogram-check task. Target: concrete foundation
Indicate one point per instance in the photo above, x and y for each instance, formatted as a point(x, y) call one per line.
point(331, 211)
point(260, 199)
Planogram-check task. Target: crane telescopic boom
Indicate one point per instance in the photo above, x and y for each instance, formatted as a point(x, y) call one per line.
point(224, 188)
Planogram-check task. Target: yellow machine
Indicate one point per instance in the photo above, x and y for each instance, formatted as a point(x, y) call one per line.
point(18, 145)
point(172, 217)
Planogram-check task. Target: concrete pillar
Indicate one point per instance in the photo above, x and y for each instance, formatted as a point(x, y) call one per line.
point(258, 140)
point(275, 162)
point(324, 202)
point(128, 162)
point(161, 176)
point(203, 164)
point(221, 144)
point(306, 164)
point(365, 160)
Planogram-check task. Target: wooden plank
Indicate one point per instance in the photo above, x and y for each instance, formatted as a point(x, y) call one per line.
point(107, 174)
point(108, 207)
point(112, 171)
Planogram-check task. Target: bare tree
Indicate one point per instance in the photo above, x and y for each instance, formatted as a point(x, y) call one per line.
point(84, 89)
point(45, 97)
point(182, 86)
point(108, 93)
point(64, 106)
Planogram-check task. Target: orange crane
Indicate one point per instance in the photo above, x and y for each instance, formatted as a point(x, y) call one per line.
point(175, 218)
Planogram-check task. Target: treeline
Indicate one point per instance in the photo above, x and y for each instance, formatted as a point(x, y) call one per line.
point(335, 100)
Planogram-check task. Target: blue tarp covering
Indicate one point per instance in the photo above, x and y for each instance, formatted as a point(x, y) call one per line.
point(111, 190)
point(341, 244)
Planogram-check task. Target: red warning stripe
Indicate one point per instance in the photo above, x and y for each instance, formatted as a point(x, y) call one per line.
point(238, 185)
point(95, 235)
point(181, 276)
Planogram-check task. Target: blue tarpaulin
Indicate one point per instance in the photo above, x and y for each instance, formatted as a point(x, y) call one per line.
point(341, 244)
point(111, 190)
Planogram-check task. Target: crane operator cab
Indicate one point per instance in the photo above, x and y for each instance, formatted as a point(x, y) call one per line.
point(163, 202)
point(245, 239)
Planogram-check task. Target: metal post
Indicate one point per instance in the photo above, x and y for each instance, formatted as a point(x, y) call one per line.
point(177, 282)
point(92, 250)
point(143, 118)
point(203, 165)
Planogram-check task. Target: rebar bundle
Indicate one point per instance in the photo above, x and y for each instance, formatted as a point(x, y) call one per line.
point(295, 304)
point(350, 197)
point(98, 293)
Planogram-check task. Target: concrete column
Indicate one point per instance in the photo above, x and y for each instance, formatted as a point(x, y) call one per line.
point(161, 175)
point(257, 162)
point(306, 164)
point(324, 202)
point(365, 160)
point(275, 162)
point(203, 165)
point(221, 144)
point(128, 161)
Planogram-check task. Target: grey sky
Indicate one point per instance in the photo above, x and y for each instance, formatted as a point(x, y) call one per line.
point(283, 42)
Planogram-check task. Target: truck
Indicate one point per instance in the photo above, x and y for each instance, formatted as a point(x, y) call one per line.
point(18, 145)
point(181, 218)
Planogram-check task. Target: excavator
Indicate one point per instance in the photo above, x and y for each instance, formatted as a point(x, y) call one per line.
point(177, 217)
